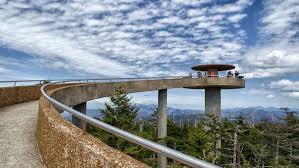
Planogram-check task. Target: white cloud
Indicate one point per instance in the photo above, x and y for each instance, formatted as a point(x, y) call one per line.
point(277, 53)
point(270, 96)
point(286, 87)
point(124, 38)
point(280, 19)
point(294, 94)
point(191, 2)
point(139, 15)
point(231, 8)
point(255, 92)
point(197, 12)
point(236, 18)
point(271, 60)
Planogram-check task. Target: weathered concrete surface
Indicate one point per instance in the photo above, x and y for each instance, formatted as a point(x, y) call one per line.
point(62, 144)
point(20, 94)
point(213, 102)
point(18, 136)
point(162, 124)
point(85, 92)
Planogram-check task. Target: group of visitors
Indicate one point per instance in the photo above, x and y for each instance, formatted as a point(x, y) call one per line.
point(199, 74)
point(229, 74)
point(237, 74)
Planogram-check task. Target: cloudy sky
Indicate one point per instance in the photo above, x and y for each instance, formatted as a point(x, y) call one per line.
point(46, 39)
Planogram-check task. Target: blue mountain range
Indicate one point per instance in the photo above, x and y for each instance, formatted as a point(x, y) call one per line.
point(252, 114)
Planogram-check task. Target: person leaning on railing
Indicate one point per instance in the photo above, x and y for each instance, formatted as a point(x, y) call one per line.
point(237, 73)
point(230, 74)
point(199, 74)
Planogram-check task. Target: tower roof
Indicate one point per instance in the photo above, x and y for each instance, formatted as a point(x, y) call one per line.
point(219, 67)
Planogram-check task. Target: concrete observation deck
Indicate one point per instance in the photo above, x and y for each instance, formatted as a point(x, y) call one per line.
point(85, 92)
point(61, 144)
point(215, 84)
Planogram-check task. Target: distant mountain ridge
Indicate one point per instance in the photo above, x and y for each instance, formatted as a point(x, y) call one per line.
point(253, 114)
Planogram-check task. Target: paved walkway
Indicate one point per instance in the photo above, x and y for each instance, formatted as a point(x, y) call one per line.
point(18, 136)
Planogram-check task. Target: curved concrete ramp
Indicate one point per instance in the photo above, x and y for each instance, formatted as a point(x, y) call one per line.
point(18, 136)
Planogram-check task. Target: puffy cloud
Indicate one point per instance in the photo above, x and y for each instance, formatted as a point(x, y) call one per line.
point(287, 87)
point(277, 52)
point(294, 94)
point(232, 8)
point(270, 96)
point(126, 37)
point(281, 19)
point(254, 92)
point(271, 60)
point(236, 18)
point(191, 2)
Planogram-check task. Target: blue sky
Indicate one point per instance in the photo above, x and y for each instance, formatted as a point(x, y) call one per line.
point(46, 39)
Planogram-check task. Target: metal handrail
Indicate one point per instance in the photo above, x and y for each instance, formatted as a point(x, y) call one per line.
point(166, 151)
point(112, 79)
point(89, 79)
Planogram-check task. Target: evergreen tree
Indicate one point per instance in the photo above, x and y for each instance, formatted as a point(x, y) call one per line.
point(119, 112)
point(268, 143)
point(200, 143)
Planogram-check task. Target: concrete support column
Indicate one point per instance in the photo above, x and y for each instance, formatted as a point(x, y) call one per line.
point(213, 102)
point(76, 121)
point(162, 124)
point(213, 105)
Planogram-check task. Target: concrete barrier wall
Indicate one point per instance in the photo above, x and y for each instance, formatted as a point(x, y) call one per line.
point(61, 144)
point(18, 94)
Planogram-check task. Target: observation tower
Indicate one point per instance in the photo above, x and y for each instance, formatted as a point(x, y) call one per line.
point(214, 83)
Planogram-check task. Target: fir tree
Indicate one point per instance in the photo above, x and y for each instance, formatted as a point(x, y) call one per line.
point(121, 114)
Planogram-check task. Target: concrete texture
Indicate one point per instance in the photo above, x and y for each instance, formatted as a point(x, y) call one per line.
point(220, 82)
point(62, 144)
point(85, 92)
point(20, 94)
point(162, 124)
point(213, 102)
point(18, 145)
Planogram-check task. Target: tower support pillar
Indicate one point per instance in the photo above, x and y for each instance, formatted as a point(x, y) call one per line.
point(162, 125)
point(213, 102)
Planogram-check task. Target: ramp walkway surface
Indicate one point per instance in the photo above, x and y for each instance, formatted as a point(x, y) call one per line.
point(18, 145)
